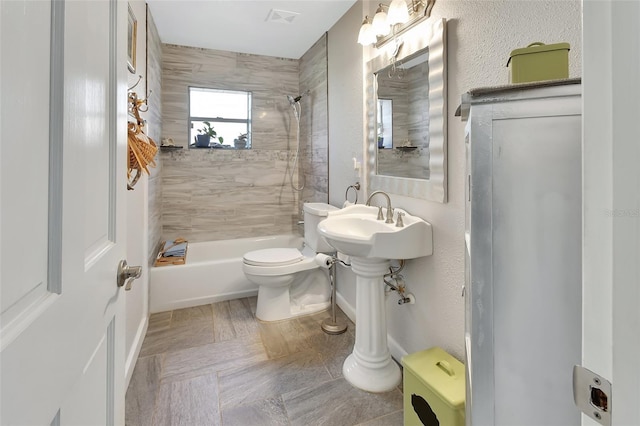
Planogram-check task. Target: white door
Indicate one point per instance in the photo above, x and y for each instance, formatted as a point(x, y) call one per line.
point(611, 251)
point(62, 183)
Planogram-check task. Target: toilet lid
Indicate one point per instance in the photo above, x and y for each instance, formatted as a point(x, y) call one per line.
point(273, 257)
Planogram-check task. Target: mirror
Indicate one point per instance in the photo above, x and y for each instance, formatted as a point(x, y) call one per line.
point(406, 115)
point(402, 118)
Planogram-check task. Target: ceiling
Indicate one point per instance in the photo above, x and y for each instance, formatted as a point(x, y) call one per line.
point(285, 29)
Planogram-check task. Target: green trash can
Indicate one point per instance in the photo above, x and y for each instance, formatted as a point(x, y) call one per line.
point(434, 389)
point(538, 62)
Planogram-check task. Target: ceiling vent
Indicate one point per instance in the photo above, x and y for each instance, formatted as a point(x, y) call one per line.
point(281, 16)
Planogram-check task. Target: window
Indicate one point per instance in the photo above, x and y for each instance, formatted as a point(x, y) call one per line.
point(228, 111)
point(385, 123)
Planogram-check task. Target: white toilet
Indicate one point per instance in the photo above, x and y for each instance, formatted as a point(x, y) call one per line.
point(290, 282)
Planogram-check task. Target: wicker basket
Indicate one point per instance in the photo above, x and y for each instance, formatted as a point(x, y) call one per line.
point(142, 149)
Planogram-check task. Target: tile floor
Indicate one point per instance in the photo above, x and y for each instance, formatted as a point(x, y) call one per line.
point(217, 365)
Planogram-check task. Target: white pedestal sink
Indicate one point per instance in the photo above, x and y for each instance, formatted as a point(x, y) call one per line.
point(355, 231)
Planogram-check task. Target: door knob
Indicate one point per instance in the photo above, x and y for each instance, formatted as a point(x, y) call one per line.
point(126, 274)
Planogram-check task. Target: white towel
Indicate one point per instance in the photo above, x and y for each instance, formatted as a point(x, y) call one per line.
point(177, 250)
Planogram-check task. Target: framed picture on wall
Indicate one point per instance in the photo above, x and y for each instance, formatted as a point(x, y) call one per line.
point(132, 32)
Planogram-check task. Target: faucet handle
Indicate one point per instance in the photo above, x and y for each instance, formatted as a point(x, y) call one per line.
point(380, 216)
point(389, 215)
point(399, 222)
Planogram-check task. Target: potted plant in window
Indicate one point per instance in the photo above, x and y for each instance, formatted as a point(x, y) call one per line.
point(241, 141)
point(205, 134)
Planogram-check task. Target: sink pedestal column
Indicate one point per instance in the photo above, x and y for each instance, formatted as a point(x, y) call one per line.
point(370, 367)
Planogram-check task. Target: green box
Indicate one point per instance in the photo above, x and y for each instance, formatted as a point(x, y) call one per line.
point(539, 61)
point(434, 389)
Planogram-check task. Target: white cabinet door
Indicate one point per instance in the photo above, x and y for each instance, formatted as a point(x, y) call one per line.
point(63, 124)
point(523, 301)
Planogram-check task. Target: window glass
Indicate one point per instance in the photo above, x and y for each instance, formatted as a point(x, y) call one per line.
point(227, 111)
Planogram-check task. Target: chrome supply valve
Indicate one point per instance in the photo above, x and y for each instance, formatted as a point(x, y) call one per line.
point(408, 299)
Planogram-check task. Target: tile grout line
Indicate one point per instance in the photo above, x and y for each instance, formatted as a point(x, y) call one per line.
point(306, 342)
point(159, 386)
point(218, 397)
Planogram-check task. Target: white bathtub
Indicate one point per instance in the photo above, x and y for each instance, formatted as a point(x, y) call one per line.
point(213, 273)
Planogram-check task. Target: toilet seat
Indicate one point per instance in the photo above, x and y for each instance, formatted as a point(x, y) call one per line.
point(273, 257)
point(274, 262)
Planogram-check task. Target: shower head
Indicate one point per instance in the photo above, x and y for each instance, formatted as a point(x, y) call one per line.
point(295, 100)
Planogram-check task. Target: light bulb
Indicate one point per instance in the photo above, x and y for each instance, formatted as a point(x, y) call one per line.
point(380, 25)
point(398, 12)
point(366, 35)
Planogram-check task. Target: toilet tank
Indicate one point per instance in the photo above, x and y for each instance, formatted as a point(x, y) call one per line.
point(314, 213)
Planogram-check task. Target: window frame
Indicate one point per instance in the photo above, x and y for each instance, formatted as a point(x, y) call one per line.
point(212, 120)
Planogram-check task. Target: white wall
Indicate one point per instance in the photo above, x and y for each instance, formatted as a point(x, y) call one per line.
point(480, 36)
point(346, 104)
point(346, 128)
point(137, 305)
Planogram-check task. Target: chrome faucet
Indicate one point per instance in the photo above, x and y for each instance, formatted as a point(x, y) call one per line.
point(389, 208)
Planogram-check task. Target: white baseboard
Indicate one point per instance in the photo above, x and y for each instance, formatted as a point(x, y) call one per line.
point(132, 357)
point(397, 351)
point(349, 310)
point(173, 304)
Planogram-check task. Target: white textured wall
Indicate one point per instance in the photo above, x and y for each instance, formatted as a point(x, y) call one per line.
point(480, 36)
point(346, 126)
point(346, 104)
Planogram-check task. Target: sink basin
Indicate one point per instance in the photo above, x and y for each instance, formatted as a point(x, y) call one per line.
point(355, 231)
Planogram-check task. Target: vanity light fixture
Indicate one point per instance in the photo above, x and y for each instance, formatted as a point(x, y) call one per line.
point(366, 35)
point(380, 24)
point(399, 18)
point(398, 12)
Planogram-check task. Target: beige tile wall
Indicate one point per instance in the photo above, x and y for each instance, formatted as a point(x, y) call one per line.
point(409, 164)
point(269, 79)
point(396, 89)
point(154, 126)
point(314, 126)
point(224, 194)
point(419, 106)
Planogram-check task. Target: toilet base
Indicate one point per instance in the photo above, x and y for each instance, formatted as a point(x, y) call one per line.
point(282, 297)
point(273, 309)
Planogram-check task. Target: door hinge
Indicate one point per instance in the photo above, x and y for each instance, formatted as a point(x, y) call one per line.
point(592, 394)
